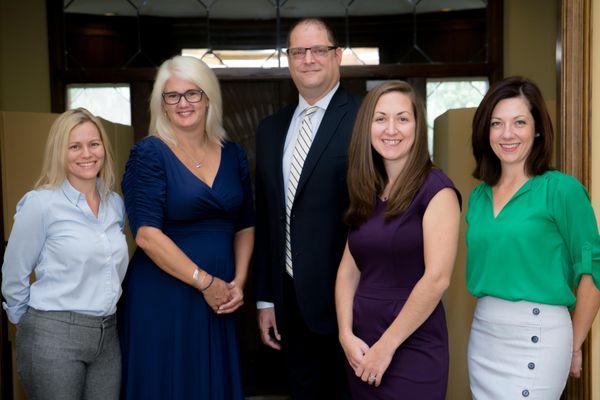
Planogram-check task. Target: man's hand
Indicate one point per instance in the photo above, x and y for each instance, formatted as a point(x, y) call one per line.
point(266, 322)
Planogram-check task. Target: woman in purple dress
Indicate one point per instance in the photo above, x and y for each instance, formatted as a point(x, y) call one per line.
point(404, 217)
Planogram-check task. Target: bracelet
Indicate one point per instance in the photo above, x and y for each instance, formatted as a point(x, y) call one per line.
point(197, 279)
point(196, 274)
point(212, 279)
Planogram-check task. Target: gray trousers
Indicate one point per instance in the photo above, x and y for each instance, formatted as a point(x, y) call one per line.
point(63, 355)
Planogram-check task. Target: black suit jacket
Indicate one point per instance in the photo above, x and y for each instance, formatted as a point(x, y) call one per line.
point(318, 235)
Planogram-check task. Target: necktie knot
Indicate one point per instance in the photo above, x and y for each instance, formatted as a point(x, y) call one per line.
point(309, 111)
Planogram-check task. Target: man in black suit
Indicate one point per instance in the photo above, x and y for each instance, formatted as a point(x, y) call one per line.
point(301, 197)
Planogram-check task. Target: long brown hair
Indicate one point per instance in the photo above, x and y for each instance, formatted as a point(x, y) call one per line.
point(366, 173)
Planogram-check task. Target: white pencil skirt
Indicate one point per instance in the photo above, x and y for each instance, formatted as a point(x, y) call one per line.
point(519, 350)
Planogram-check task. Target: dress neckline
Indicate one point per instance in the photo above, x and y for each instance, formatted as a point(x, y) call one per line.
point(211, 187)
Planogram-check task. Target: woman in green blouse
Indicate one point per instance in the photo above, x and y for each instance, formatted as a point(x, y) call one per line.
point(533, 252)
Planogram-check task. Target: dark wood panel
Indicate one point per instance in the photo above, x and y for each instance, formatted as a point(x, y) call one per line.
point(101, 41)
point(56, 54)
point(245, 104)
point(494, 34)
point(384, 71)
point(140, 108)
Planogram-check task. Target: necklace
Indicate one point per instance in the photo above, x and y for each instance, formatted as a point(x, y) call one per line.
point(197, 163)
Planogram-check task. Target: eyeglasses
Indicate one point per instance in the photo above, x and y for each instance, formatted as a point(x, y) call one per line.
point(192, 96)
point(320, 51)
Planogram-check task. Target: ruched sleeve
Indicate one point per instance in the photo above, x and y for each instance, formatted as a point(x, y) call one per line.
point(144, 186)
point(574, 216)
point(246, 217)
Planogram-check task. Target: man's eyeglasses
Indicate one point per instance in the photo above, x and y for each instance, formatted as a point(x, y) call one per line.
point(192, 96)
point(316, 51)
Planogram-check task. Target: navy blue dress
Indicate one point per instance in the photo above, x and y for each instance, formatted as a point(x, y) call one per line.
point(174, 346)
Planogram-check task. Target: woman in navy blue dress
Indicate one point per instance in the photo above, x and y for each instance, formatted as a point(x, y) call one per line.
point(188, 198)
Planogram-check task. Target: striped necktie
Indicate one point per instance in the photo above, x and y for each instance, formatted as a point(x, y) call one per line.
point(301, 148)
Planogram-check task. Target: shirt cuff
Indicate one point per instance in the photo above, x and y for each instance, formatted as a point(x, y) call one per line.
point(260, 305)
point(15, 313)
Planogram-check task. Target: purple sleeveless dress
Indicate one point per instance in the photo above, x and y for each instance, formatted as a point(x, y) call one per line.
point(390, 258)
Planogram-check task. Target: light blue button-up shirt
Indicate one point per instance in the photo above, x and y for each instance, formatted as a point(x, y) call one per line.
point(79, 260)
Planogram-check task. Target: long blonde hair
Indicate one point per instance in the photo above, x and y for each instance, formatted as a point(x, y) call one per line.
point(193, 70)
point(54, 169)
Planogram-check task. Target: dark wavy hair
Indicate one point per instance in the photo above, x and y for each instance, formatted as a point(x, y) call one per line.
point(488, 168)
point(366, 173)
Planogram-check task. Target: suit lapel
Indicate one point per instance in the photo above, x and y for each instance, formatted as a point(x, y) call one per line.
point(333, 115)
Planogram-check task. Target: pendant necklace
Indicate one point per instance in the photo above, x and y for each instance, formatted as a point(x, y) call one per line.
point(197, 164)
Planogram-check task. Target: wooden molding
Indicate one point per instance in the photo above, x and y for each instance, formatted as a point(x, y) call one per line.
point(574, 135)
point(573, 142)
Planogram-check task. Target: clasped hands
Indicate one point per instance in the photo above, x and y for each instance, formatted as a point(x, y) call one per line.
point(223, 297)
point(368, 363)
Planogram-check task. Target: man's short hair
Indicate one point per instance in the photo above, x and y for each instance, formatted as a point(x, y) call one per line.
point(313, 21)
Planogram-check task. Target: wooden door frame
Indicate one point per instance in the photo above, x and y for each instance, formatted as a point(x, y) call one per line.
point(574, 90)
point(574, 138)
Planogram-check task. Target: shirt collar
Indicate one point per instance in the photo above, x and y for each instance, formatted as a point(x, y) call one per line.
point(323, 103)
point(525, 187)
point(74, 196)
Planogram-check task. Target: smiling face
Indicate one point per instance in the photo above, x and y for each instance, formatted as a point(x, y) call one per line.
point(393, 128)
point(314, 76)
point(85, 154)
point(185, 116)
point(512, 131)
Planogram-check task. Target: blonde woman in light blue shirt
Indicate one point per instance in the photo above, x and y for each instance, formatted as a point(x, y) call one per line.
point(68, 231)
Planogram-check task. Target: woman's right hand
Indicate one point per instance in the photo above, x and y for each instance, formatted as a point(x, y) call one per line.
point(354, 348)
point(217, 293)
point(576, 363)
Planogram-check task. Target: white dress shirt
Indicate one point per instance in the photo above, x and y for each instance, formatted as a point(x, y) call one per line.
point(79, 260)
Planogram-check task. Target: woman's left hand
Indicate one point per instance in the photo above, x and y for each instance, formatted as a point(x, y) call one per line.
point(374, 363)
point(236, 292)
point(576, 362)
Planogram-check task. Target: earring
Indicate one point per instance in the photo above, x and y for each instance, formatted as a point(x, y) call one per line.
point(537, 134)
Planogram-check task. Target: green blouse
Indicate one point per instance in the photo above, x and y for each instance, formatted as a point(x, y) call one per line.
point(538, 246)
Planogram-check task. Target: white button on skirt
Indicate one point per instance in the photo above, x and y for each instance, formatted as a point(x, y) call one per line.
point(519, 350)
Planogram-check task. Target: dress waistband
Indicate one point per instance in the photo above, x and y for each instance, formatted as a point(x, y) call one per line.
point(76, 318)
point(206, 225)
point(384, 293)
point(521, 312)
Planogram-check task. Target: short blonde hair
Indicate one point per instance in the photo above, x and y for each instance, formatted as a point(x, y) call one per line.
point(54, 169)
point(193, 70)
